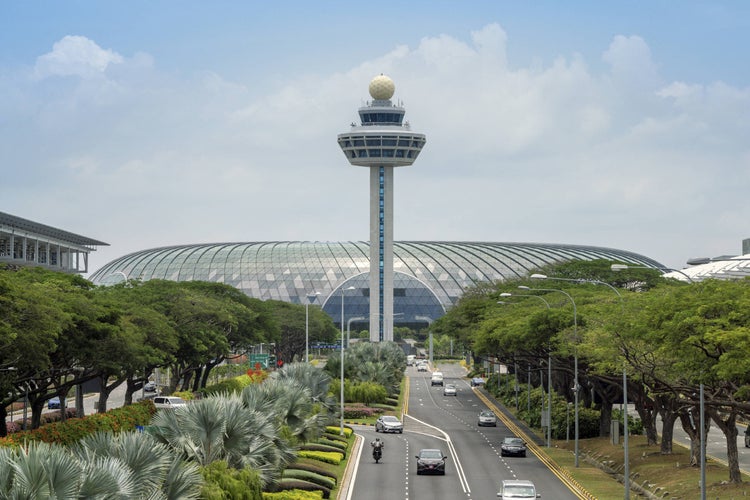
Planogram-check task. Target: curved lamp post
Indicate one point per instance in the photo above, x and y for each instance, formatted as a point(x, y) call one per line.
point(575, 355)
point(549, 371)
point(341, 428)
point(626, 457)
point(310, 298)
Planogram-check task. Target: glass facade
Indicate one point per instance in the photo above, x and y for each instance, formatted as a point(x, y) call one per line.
point(430, 276)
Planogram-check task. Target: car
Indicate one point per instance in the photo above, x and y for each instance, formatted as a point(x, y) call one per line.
point(477, 381)
point(389, 423)
point(422, 367)
point(167, 402)
point(149, 386)
point(54, 403)
point(436, 379)
point(487, 417)
point(512, 447)
point(431, 461)
point(517, 488)
point(449, 390)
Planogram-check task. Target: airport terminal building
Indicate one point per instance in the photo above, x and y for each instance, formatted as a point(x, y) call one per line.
point(429, 276)
point(27, 243)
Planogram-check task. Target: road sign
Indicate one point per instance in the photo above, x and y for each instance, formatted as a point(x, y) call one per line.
point(259, 358)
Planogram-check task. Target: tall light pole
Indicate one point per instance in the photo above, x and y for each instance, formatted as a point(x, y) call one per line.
point(575, 357)
point(626, 454)
point(310, 298)
point(549, 372)
point(341, 427)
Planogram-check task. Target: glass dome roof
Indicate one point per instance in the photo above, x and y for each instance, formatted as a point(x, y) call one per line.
point(430, 276)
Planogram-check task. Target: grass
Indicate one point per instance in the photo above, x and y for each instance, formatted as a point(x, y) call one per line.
point(672, 474)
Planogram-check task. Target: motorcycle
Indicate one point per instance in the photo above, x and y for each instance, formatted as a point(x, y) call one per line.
point(377, 453)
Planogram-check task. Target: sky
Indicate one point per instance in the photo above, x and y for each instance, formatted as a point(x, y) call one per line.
point(145, 124)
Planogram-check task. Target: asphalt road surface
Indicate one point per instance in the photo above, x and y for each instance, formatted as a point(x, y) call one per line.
point(474, 468)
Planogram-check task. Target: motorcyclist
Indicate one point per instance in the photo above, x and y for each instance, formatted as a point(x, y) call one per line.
point(377, 448)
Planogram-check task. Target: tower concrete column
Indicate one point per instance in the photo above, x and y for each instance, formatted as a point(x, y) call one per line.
point(381, 142)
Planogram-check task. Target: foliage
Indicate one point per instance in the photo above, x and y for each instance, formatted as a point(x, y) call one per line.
point(293, 494)
point(70, 431)
point(299, 484)
point(310, 477)
point(314, 468)
point(322, 447)
point(328, 457)
point(228, 386)
point(223, 482)
point(103, 465)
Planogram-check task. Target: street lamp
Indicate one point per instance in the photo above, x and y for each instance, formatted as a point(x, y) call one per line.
point(349, 326)
point(622, 267)
point(341, 427)
point(575, 354)
point(549, 371)
point(310, 298)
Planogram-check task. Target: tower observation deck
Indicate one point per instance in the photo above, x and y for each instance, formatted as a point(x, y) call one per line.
point(381, 142)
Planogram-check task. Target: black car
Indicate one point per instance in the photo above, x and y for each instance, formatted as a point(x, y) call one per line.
point(431, 461)
point(512, 447)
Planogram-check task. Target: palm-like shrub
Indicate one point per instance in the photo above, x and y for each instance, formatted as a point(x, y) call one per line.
point(225, 428)
point(290, 403)
point(105, 465)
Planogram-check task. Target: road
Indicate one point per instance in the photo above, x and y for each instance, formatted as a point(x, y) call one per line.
point(116, 399)
point(474, 468)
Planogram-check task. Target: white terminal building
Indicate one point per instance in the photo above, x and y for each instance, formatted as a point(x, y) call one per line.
point(381, 142)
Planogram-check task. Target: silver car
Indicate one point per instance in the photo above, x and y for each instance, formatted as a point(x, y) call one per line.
point(449, 390)
point(389, 423)
point(486, 417)
point(517, 488)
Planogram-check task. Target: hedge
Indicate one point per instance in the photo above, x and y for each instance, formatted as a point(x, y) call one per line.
point(323, 448)
point(334, 458)
point(309, 476)
point(298, 484)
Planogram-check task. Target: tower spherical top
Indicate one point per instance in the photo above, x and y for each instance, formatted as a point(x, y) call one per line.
point(382, 88)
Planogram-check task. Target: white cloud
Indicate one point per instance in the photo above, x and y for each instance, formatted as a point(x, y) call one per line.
point(75, 56)
point(559, 153)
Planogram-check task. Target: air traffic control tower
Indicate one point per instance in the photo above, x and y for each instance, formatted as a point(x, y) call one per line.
point(381, 142)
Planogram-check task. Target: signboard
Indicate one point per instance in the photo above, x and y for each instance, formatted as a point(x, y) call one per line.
point(259, 358)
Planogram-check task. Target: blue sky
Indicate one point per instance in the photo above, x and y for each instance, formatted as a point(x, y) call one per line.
point(145, 124)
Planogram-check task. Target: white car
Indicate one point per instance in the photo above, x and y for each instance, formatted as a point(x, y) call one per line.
point(389, 423)
point(437, 378)
point(169, 402)
point(422, 366)
point(449, 390)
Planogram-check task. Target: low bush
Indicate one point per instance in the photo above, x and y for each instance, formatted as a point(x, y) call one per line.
point(311, 467)
point(336, 437)
point(322, 447)
point(334, 458)
point(336, 431)
point(293, 495)
point(309, 476)
point(221, 482)
point(70, 431)
point(298, 484)
point(354, 412)
point(331, 442)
